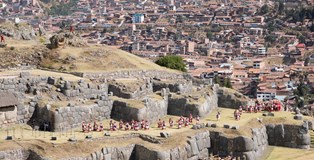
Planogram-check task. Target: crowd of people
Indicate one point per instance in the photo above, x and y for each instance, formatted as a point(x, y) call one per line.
point(270, 107)
point(89, 127)
point(182, 121)
point(141, 125)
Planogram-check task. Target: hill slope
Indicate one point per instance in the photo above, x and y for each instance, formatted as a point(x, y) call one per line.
point(91, 58)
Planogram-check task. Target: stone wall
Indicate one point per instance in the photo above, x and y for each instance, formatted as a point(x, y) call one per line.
point(174, 86)
point(241, 146)
point(20, 154)
point(135, 74)
point(14, 154)
point(8, 116)
point(73, 116)
point(24, 83)
point(293, 136)
point(152, 110)
point(195, 148)
point(79, 89)
point(198, 146)
point(182, 106)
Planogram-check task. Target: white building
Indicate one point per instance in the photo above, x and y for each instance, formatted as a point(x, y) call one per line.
point(261, 50)
point(266, 95)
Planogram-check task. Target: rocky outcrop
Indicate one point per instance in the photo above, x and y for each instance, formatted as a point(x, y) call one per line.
point(62, 39)
point(18, 31)
point(292, 136)
point(229, 98)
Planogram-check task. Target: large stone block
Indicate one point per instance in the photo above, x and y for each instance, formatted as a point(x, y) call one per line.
point(194, 147)
point(279, 134)
point(243, 144)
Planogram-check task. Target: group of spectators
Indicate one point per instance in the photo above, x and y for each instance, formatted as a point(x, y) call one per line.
point(141, 125)
point(89, 127)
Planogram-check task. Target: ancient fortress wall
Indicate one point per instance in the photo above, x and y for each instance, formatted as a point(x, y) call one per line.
point(23, 111)
point(134, 74)
point(73, 116)
point(198, 146)
point(175, 86)
point(292, 136)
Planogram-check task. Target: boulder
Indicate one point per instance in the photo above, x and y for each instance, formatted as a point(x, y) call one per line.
point(226, 126)
point(72, 139)
point(196, 126)
point(89, 137)
point(24, 74)
point(235, 127)
point(164, 134)
point(298, 117)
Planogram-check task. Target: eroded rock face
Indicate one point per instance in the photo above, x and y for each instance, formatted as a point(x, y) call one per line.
point(66, 38)
point(18, 31)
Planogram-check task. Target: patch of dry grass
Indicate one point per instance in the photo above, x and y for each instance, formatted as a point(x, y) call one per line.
point(284, 153)
point(38, 72)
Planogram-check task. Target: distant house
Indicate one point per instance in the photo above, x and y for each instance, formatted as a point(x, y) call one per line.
point(266, 94)
point(258, 64)
point(138, 18)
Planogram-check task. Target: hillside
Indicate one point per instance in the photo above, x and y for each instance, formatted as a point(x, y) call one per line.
point(96, 58)
point(89, 58)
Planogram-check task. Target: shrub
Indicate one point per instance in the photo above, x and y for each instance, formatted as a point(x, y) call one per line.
point(173, 62)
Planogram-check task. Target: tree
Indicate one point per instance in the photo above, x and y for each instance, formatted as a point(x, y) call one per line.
point(301, 38)
point(217, 80)
point(281, 7)
point(227, 83)
point(302, 90)
point(209, 35)
point(312, 27)
point(264, 9)
point(270, 38)
point(307, 61)
point(173, 62)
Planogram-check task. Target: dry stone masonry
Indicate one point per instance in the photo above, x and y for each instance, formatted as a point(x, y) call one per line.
point(147, 95)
